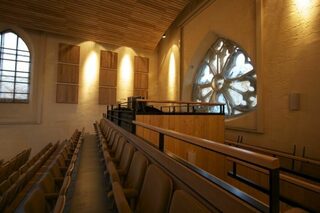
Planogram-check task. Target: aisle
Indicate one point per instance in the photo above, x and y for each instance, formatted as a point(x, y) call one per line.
point(89, 193)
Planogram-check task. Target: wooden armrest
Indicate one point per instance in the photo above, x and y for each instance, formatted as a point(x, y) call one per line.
point(120, 199)
point(128, 192)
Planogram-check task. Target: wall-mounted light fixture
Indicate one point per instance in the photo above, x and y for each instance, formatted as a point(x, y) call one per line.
point(164, 35)
point(294, 101)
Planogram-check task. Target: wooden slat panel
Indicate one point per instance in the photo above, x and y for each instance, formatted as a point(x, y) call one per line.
point(108, 59)
point(107, 95)
point(123, 20)
point(67, 93)
point(141, 64)
point(108, 77)
point(69, 53)
point(68, 73)
point(140, 80)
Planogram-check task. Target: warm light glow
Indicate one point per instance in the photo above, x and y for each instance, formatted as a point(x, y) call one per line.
point(90, 71)
point(90, 68)
point(304, 7)
point(125, 77)
point(172, 77)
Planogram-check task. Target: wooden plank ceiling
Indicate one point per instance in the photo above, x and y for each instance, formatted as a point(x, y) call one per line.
point(134, 23)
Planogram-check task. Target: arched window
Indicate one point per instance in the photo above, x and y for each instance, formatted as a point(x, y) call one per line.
point(226, 75)
point(14, 68)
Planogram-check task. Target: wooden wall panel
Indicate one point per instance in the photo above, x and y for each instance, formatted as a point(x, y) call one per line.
point(141, 64)
point(141, 80)
point(67, 93)
point(108, 59)
point(68, 74)
point(108, 77)
point(69, 53)
point(141, 76)
point(107, 95)
point(210, 127)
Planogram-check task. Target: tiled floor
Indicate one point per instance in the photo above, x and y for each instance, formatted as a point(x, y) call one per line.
point(90, 189)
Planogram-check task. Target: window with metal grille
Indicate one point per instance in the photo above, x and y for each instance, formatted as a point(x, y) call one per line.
point(15, 66)
point(226, 75)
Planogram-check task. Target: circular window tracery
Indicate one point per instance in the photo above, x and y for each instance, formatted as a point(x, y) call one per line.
point(226, 75)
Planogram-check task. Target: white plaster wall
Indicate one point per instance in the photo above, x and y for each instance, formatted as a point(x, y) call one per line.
point(291, 51)
point(47, 120)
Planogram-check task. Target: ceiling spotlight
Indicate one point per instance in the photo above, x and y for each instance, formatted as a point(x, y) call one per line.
point(164, 35)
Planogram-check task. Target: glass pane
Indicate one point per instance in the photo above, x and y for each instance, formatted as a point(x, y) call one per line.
point(23, 58)
point(6, 87)
point(8, 65)
point(22, 45)
point(8, 56)
point(4, 78)
point(23, 66)
point(22, 88)
point(237, 98)
point(7, 73)
point(23, 53)
point(205, 91)
point(8, 51)
point(22, 80)
point(6, 95)
point(10, 40)
point(242, 86)
point(21, 96)
point(23, 74)
point(206, 75)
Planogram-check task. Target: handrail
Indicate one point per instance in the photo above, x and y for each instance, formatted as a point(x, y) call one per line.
point(181, 102)
point(307, 160)
point(245, 155)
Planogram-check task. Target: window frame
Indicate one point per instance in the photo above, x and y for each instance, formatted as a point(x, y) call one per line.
point(18, 53)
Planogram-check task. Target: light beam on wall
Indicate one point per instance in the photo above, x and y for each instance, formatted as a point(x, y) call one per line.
point(90, 71)
point(125, 82)
point(304, 7)
point(172, 77)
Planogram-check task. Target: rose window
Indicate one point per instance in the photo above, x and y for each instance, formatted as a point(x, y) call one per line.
point(227, 76)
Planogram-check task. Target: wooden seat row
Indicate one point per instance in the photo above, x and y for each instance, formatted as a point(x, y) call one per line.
point(138, 185)
point(7, 168)
point(49, 195)
point(11, 187)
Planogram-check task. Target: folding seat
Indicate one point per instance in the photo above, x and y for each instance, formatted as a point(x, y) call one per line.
point(155, 181)
point(11, 193)
point(116, 154)
point(116, 171)
point(4, 170)
point(57, 173)
point(14, 177)
point(3, 199)
point(134, 179)
point(23, 168)
point(4, 186)
point(21, 182)
point(36, 202)
point(49, 186)
point(183, 202)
